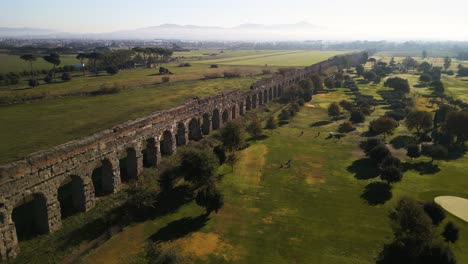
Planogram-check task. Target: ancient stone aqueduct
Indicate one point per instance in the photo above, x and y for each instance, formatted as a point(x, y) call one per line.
point(36, 179)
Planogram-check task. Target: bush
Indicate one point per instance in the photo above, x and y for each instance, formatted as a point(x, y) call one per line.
point(185, 64)
point(357, 117)
point(165, 79)
point(345, 127)
point(231, 74)
point(66, 76)
point(435, 212)
point(33, 83)
point(213, 66)
point(379, 153)
point(271, 123)
point(112, 69)
point(48, 78)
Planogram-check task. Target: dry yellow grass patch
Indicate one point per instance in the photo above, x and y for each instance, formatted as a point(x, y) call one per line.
point(200, 245)
point(267, 219)
point(309, 170)
point(251, 162)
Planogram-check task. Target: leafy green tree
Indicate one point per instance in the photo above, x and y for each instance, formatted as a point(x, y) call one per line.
point(456, 123)
point(419, 120)
point(199, 166)
point(370, 75)
point(447, 62)
point(94, 57)
point(359, 70)
point(413, 151)
point(334, 110)
point(391, 174)
point(254, 128)
point(30, 58)
point(435, 212)
point(379, 153)
point(210, 198)
point(424, 54)
point(232, 159)
point(285, 115)
point(317, 81)
point(357, 117)
point(425, 67)
point(438, 152)
point(383, 125)
point(271, 123)
point(450, 232)
point(409, 63)
point(398, 84)
point(425, 78)
point(82, 56)
point(232, 136)
point(53, 59)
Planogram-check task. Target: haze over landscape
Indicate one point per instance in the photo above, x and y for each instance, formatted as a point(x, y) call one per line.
point(244, 20)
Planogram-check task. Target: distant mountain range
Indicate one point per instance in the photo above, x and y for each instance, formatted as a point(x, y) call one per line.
point(252, 32)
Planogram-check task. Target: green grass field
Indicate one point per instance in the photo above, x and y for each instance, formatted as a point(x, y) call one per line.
point(310, 213)
point(282, 58)
point(13, 63)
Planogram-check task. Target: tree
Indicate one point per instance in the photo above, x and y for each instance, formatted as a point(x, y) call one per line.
point(447, 62)
point(435, 212)
point(231, 136)
point(359, 70)
point(210, 198)
point(456, 123)
point(419, 120)
point(255, 128)
point(372, 60)
point(425, 78)
point(450, 233)
point(409, 63)
point(66, 76)
point(357, 117)
point(425, 67)
point(383, 125)
point(424, 54)
point(53, 59)
point(232, 159)
point(369, 144)
point(370, 75)
point(29, 58)
point(438, 152)
point(412, 227)
point(334, 110)
point(391, 174)
point(398, 84)
point(317, 81)
point(284, 115)
point(379, 153)
point(413, 151)
point(33, 83)
point(438, 87)
point(271, 123)
point(81, 56)
point(112, 69)
point(94, 57)
point(199, 166)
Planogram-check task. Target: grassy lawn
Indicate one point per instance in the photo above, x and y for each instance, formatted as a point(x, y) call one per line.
point(13, 63)
point(43, 124)
point(282, 58)
point(310, 212)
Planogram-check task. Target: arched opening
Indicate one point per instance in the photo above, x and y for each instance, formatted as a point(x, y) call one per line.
point(270, 94)
point(103, 180)
point(260, 98)
point(248, 104)
point(265, 96)
point(215, 119)
point(71, 196)
point(225, 116)
point(31, 217)
point(233, 112)
point(254, 101)
point(150, 153)
point(167, 143)
point(241, 108)
point(129, 165)
point(181, 132)
point(275, 92)
point(206, 124)
point(194, 130)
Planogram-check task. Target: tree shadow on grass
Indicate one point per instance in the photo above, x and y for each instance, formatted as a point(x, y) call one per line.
point(403, 141)
point(321, 123)
point(422, 167)
point(180, 228)
point(262, 137)
point(376, 193)
point(364, 169)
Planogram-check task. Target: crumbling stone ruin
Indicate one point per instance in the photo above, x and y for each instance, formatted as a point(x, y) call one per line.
point(35, 181)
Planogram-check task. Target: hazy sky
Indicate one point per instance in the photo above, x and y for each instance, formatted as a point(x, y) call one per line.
point(415, 19)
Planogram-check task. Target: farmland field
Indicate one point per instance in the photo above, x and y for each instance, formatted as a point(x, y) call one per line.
point(12, 63)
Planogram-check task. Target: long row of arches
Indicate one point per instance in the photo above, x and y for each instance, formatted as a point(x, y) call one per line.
point(35, 213)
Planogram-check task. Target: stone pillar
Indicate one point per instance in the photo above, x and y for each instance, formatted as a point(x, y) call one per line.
point(54, 216)
point(137, 165)
point(111, 174)
point(9, 248)
point(153, 153)
point(88, 195)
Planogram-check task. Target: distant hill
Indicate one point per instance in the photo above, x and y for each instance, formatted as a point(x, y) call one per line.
point(252, 32)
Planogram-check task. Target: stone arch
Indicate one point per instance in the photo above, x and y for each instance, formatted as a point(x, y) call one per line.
point(241, 108)
point(274, 92)
point(254, 101)
point(167, 143)
point(130, 165)
point(270, 94)
point(260, 98)
point(265, 96)
point(225, 117)
point(103, 178)
point(71, 196)
point(151, 155)
point(31, 217)
point(233, 112)
point(215, 119)
point(181, 136)
point(194, 129)
point(206, 126)
point(248, 103)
